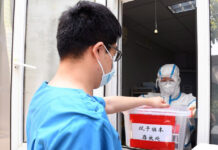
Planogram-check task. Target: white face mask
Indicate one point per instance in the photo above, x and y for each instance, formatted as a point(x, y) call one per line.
point(167, 88)
point(106, 77)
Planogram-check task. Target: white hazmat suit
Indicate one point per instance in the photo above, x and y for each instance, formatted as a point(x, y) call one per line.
point(168, 80)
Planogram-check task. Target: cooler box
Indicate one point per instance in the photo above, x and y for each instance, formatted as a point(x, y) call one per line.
point(156, 129)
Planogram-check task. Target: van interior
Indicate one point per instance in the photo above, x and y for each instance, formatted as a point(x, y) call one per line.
point(146, 50)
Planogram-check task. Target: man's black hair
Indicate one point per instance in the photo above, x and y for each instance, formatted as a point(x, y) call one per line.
point(84, 25)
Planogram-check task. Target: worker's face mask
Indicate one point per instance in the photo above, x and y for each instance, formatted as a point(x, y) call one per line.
point(106, 77)
point(168, 88)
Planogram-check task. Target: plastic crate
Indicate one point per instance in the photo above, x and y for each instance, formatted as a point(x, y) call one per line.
point(156, 129)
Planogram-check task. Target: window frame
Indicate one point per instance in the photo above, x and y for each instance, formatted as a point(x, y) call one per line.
point(17, 127)
point(203, 72)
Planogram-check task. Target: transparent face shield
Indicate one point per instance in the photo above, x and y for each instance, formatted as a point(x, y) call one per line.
point(167, 82)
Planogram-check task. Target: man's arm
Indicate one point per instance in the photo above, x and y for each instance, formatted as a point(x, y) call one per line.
point(116, 104)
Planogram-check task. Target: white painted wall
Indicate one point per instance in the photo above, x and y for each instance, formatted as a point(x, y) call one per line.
point(4, 91)
point(5, 72)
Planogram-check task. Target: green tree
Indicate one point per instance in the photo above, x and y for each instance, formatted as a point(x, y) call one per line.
point(214, 20)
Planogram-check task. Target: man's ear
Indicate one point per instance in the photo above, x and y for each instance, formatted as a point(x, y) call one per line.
point(97, 49)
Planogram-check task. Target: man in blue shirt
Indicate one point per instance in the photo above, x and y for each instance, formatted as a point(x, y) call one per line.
point(63, 113)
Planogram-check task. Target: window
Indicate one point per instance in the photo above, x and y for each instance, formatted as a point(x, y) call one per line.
point(146, 51)
point(41, 51)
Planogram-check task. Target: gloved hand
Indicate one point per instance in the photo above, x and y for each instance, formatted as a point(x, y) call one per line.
point(192, 108)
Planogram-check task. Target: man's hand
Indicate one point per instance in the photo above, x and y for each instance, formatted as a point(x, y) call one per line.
point(157, 102)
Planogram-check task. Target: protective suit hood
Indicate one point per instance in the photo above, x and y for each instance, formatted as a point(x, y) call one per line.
point(169, 88)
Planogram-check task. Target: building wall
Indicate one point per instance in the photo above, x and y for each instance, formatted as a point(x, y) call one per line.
point(5, 72)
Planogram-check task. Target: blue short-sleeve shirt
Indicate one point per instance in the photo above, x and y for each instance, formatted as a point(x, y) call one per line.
point(69, 119)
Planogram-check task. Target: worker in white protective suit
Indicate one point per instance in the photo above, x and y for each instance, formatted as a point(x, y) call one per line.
point(168, 80)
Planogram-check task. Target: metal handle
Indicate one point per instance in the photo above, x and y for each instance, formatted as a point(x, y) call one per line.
point(17, 64)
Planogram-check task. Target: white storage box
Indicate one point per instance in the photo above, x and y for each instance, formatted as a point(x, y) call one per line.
point(159, 129)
